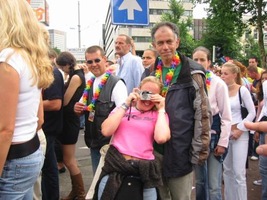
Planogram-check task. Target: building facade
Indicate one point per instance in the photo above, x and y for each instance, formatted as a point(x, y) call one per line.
point(199, 28)
point(58, 39)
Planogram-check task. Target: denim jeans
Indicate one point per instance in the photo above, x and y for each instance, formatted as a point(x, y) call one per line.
point(201, 181)
point(148, 194)
point(82, 121)
point(50, 179)
point(209, 176)
point(19, 176)
point(263, 169)
point(95, 157)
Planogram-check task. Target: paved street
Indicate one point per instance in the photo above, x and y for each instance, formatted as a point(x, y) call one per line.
point(83, 157)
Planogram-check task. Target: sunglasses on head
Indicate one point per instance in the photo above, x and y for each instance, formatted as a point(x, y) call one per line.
point(91, 61)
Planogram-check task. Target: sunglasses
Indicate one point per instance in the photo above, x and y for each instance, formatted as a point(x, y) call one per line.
point(91, 61)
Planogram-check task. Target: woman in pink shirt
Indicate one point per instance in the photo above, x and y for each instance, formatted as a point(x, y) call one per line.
point(135, 125)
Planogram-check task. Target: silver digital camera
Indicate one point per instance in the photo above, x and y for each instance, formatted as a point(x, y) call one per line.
point(145, 95)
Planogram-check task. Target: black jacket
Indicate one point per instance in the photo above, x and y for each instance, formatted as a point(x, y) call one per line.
point(93, 136)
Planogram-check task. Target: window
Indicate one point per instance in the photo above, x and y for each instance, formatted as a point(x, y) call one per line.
point(142, 39)
point(157, 11)
point(188, 13)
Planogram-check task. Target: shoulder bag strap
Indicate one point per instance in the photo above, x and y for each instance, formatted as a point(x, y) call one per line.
point(239, 94)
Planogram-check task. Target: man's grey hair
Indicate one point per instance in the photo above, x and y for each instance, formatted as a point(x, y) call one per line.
point(171, 25)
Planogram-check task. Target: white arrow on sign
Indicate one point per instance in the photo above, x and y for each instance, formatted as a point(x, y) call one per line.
point(130, 6)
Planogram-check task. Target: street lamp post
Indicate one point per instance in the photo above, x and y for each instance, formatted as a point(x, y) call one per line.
point(79, 25)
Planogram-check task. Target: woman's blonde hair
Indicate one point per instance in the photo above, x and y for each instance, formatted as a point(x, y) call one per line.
point(235, 70)
point(151, 79)
point(243, 69)
point(21, 31)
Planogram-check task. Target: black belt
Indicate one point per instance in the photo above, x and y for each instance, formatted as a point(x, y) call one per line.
point(23, 149)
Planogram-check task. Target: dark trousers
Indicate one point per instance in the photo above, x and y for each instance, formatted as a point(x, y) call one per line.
point(58, 151)
point(50, 179)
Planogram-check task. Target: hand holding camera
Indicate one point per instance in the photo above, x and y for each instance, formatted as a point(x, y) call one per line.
point(145, 95)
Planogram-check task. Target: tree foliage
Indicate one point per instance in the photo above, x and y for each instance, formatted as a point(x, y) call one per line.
point(175, 15)
point(251, 49)
point(226, 17)
point(57, 50)
point(259, 15)
point(224, 28)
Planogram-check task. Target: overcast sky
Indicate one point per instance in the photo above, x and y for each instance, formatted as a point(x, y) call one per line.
point(63, 15)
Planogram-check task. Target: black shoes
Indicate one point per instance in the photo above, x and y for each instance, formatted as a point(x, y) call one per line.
point(61, 170)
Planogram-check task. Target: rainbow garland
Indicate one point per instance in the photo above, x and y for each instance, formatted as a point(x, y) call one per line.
point(208, 79)
point(96, 94)
point(168, 79)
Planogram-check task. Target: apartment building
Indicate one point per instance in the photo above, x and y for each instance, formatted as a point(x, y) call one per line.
point(58, 39)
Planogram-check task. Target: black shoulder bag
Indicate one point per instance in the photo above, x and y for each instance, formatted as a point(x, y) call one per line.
point(244, 111)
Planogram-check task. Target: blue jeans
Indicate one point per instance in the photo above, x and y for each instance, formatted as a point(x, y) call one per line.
point(95, 157)
point(50, 179)
point(19, 176)
point(201, 181)
point(148, 194)
point(209, 176)
point(263, 169)
point(82, 121)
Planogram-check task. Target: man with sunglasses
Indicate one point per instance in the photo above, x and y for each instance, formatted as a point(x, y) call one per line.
point(104, 91)
point(130, 66)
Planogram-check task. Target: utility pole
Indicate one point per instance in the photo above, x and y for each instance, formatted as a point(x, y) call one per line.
point(79, 26)
point(213, 54)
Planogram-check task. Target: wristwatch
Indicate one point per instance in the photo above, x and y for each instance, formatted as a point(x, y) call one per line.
point(162, 111)
point(124, 106)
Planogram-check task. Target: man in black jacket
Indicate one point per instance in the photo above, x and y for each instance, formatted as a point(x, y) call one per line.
point(53, 123)
point(188, 109)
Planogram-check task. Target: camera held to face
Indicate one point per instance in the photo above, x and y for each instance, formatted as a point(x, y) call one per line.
point(145, 95)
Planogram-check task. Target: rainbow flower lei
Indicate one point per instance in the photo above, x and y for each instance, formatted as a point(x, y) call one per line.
point(96, 94)
point(208, 79)
point(168, 79)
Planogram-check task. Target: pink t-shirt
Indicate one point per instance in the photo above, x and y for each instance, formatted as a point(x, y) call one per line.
point(135, 137)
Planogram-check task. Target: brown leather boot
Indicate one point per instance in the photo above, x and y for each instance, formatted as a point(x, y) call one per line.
point(78, 186)
point(72, 195)
point(77, 191)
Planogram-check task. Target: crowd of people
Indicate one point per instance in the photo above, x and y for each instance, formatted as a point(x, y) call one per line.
point(166, 119)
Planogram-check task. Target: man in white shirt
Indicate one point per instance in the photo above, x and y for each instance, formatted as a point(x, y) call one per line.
point(130, 66)
point(103, 93)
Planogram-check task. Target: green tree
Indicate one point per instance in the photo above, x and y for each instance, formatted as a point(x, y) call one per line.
point(57, 50)
point(258, 10)
point(224, 27)
point(236, 9)
point(175, 15)
point(251, 48)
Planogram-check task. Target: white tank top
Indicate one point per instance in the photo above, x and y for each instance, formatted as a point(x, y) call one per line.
point(29, 97)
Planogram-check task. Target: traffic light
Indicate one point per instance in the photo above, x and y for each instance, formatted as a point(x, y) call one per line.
point(218, 52)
